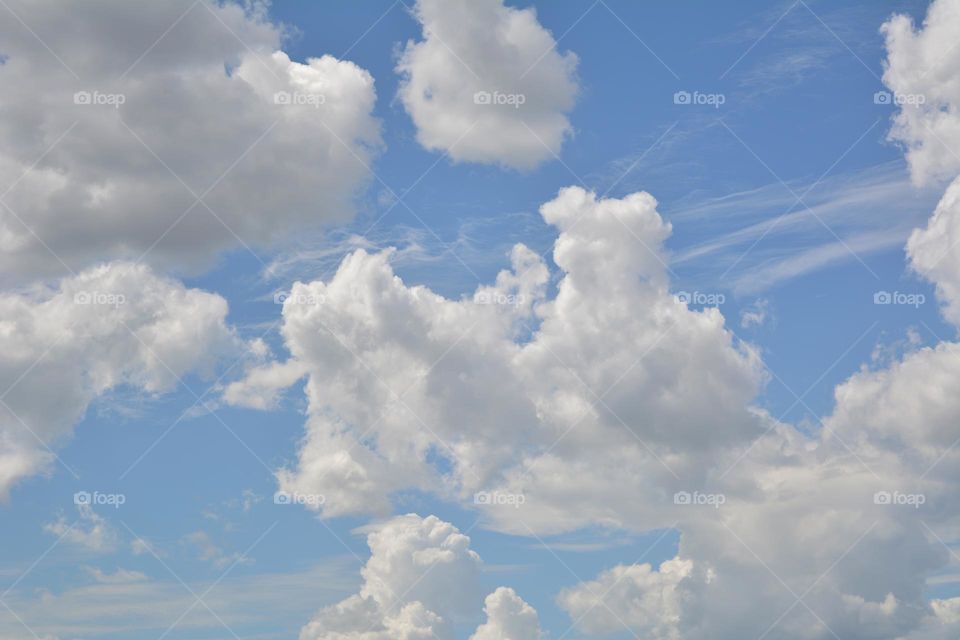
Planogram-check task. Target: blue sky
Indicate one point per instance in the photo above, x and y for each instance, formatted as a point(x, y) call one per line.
point(787, 201)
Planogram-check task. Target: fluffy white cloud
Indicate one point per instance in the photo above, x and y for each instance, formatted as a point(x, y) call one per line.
point(934, 254)
point(613, 378)
point(421, 577)
point(213, 103)
point(487, 84)
point(508, 618)
point(647, 602)
point(596, 405)
point(793, 550)
point(259, 390)
point(112, 325)
point(791, 553)
point(921, 70)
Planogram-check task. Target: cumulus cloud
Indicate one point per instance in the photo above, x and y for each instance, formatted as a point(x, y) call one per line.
point(421, 577)
point(933, 251)
point(112, 325)
point(877, 481)
point(107, 142)
point(487, 84)
point(613, 403)
point(645, 601)
point(607, 404)
point(792, 552)
point(921, 72)
point(508, 618)
point(619, 381)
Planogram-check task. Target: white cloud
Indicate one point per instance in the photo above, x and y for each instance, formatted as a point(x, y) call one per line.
point(503, 388)
point(934, 251)
point(647, 602)
point(125, 603)
point(89, 531)
point(774, 239)
point(799, 518)
point(877, 481)
point(619, 381)
point(88, 181)
point(208, 551)
point(420, 579)
point(943, 622)
point(508, 618)
point(114, 325)
point(755, 315)
point(487, 84)
point(260, 389)
point(120, 576)
point(921, 72)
